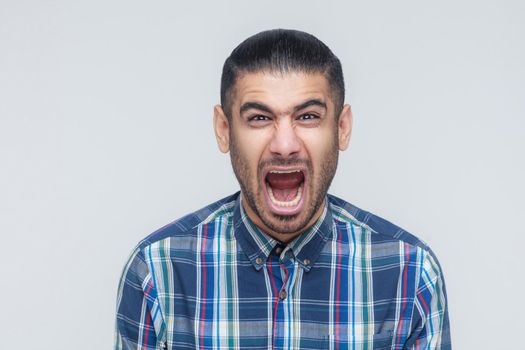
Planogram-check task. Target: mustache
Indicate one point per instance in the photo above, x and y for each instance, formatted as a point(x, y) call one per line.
point(285, 163)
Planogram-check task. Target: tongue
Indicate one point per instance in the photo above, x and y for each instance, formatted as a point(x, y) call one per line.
point(285, 185)
point(285, 195)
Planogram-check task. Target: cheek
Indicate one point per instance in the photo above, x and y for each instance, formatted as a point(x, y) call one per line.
point(319, 145)
point(251, 149)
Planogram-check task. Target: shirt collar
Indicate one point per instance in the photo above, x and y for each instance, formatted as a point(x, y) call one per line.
point(258, 245)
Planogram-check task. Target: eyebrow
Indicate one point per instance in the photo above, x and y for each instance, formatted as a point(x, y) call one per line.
point(255, 105)
point(262, 107)
point(312, 102)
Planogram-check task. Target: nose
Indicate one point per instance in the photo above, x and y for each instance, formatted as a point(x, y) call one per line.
point(285, 141)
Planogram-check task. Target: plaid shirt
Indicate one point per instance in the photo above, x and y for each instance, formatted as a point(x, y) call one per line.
point(213, 280)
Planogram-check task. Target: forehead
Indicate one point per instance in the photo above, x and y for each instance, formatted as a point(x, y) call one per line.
point(281, 90)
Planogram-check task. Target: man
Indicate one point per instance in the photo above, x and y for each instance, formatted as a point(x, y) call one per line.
point(282, 264)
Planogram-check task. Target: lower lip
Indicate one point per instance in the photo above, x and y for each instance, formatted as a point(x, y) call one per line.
point(285, 211)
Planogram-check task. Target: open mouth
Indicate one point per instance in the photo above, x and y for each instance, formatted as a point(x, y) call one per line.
point(284, 189)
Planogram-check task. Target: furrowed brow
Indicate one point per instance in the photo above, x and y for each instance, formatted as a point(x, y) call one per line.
point(255, 105)
point(312, 102)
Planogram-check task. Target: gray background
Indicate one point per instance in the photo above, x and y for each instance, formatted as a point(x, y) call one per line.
point(106, 135)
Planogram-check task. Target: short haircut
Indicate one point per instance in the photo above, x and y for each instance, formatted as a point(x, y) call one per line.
point(282, 50)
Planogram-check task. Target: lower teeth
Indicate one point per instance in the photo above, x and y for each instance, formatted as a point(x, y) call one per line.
point(291, 203)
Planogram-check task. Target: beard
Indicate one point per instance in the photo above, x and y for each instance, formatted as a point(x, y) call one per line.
point(251, 183)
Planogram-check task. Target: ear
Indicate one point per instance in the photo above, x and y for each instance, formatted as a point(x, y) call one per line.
point(345, 127)
point(222, 129)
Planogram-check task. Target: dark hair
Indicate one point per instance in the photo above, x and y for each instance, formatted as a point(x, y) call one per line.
point(282, 50)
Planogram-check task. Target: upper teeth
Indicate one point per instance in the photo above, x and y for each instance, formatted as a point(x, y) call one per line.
point(285, 171)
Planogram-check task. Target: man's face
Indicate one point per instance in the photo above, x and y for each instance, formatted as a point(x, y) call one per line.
point(284, 138)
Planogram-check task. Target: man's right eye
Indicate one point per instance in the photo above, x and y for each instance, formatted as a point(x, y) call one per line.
point(259, 118)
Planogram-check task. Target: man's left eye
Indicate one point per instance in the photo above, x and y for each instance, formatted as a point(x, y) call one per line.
point(308, 116)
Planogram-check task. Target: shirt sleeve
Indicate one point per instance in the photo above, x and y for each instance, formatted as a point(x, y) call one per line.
point(139, 322)
point(432, 330)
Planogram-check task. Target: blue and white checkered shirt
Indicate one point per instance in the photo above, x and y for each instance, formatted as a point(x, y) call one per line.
point(213, 280)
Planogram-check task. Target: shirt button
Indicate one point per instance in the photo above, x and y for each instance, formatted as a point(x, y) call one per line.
point(278, 250)
point(163, 345)
point(282, 294)
point(258, 261)
point(306, 261)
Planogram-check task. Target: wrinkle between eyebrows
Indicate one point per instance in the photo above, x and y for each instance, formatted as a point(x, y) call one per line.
point(262, 107)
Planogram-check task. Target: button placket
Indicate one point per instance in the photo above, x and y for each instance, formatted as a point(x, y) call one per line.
point(283, 294)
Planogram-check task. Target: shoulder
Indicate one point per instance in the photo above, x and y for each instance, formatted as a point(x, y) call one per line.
point(381, 229)
point(189, 224)
point(389, 240)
